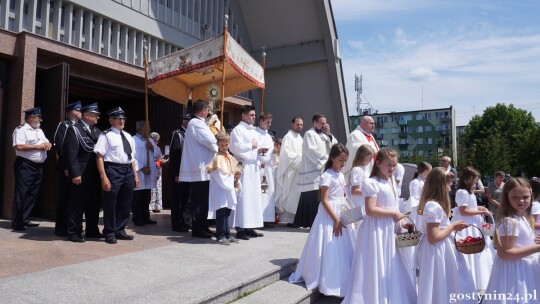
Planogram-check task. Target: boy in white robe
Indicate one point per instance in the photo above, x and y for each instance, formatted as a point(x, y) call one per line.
point(223, 171)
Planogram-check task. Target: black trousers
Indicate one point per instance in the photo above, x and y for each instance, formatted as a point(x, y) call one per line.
point(117, 201)
point(62, 203)
point(180, 195)
point(199, 205)
point(222, 223)
point(140, 206)
point(86, 198)
point(28, 177)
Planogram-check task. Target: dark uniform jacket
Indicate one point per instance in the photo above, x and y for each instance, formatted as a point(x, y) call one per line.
point(79, 149)
point(177, 142)
point(59, 138)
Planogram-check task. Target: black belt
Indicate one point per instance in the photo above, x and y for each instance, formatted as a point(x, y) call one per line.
point(111, 164)
point(26, 160)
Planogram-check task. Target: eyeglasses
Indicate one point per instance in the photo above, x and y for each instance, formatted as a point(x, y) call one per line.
point(370, 123)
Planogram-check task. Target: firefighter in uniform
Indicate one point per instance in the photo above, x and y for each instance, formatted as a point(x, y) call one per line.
point(31, 148)
point(73, 114)
point(80, 160)
point(117, 168)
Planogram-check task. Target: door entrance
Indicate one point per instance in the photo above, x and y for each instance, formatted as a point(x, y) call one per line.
point(52, 96)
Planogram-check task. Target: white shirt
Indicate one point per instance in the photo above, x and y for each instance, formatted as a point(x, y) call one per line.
point(199, 148)
point(26, 135)
point(110, 145)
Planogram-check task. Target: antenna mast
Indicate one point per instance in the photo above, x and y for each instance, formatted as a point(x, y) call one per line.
point(361, 106)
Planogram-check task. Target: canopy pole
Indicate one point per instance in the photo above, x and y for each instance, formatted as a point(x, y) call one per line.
point(263, 66)
point(146, 133)
point(225, 21)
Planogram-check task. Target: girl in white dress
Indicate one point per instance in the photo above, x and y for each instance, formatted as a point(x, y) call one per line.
point(535, 186)
point(415, 188)
point(377, 274)
point(363, 157)
point(468, 211)
point(326, 259)
point(515, 269)
point(443, 269)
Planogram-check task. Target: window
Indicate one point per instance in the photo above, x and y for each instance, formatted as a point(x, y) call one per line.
point(407, 117)
point(383, 131)
point(428, 128)
point(419, 116)
point(409, 129)
point(419, 141)
point(427, 116)
point(395, 130)
point(394, 142)
point(384, 142)
point(420, 129)
point(404, 153)
point(429, 140)
point(403, 141)
point(420, 153)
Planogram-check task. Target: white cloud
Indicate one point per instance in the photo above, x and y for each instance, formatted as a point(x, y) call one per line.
point(356, 44)
point(400, 38)
point(369, 9)
point(422, 75)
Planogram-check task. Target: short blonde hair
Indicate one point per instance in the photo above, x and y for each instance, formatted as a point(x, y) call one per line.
point(222, 136)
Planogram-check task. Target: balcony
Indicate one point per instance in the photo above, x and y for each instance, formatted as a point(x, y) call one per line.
point(402, 134)
point(402, 122)
point(445, 119)
point(445, 132)
point(403, 146)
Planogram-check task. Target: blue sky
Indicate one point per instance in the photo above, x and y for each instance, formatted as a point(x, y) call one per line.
point(468, 54)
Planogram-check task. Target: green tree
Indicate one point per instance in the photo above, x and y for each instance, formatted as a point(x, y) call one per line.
point(494, 140)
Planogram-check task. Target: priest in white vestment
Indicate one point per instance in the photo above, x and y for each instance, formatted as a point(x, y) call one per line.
point(287, 193)
point(360, 136)
point(314, 156)
point(146, 155)
point(267, 174)
point(245, 145)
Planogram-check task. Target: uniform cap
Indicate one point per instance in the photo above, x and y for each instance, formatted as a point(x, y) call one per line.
point(33, 111)
point(92, 108)
point(116, 113)
point(73, 106)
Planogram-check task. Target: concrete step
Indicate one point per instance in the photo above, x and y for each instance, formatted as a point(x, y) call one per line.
point(282, 292)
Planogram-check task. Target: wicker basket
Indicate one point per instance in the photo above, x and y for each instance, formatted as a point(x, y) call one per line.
point(471, 248)
point(408, 239)
point(489, 231)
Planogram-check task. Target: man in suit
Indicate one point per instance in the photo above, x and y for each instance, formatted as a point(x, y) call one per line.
point(180, 191)
point(73, 114)
point(80, 160)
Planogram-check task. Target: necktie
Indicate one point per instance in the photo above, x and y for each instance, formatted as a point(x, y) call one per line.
point(127, 146)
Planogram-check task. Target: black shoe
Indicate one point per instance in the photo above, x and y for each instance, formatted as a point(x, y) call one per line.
point(242, 236)
point(76, 239)
point(181, 229)
point(61, 233)
point(97, 235)
point(253, 233)
point(110, 240)
point(292, 225)
point(18, 227)
point(137, 223)
point(125, 236)
point(210, 232)
point(201, 234)
point(150, 222)
point(30, 224)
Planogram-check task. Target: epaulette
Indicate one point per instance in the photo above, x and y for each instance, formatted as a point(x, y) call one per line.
point(105, 131)
point(20, 126)
point(176, 131)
